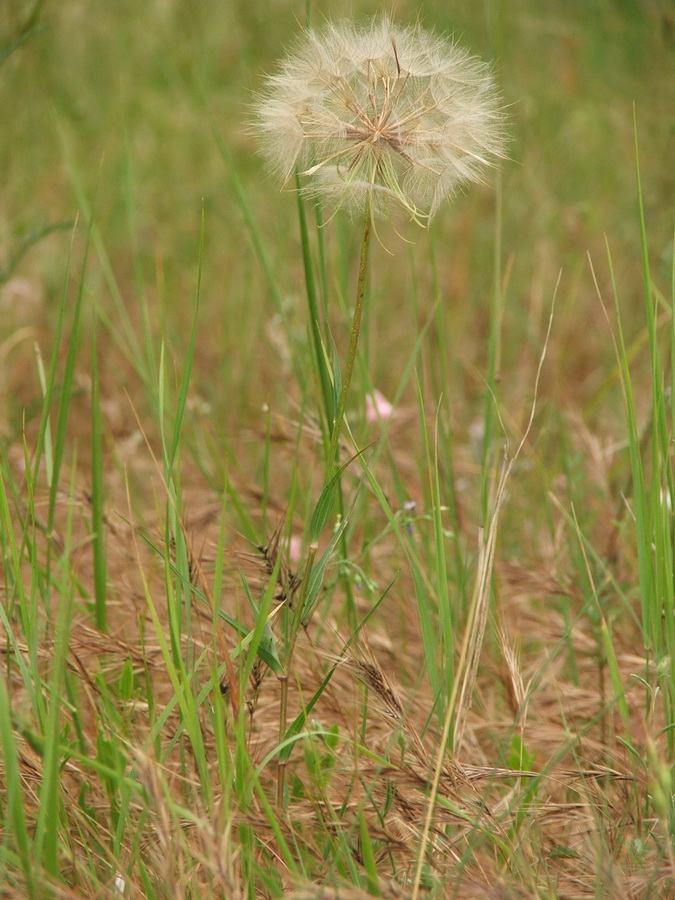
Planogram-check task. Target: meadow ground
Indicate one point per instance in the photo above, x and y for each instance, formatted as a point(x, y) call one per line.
point(454, 679)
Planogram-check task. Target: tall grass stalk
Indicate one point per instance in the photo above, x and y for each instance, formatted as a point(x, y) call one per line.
point(293, 620)
point(493, 374)
point(336, 425)
point(67, 387)
point(46, 847)
point(474, 630)
point(439, 623)
point(652, 483)
point(16, 842)
point(325, 378)
point(253, 229)
point(126, 337)
point(97, 498)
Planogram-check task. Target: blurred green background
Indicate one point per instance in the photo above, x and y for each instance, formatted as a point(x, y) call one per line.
point(125, 108)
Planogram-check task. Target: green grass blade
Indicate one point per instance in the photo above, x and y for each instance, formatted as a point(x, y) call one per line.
point(319, 359)
point(97, 496)
point(46, 841)
point(181, 400)
point(67, 385)
point(15, 825)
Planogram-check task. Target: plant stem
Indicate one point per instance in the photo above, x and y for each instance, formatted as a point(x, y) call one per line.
point(323, 372)
point(296, 623)
point(333, 460)
point(333, 456)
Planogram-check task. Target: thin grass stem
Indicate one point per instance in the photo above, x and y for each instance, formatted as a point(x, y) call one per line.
point(353, 344)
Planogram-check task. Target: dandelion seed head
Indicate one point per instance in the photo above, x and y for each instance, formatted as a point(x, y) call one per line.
point(378, 116)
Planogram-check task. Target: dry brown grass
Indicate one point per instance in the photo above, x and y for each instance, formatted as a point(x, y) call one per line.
point(576, 827)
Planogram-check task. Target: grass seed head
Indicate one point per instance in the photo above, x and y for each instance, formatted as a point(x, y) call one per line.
point(379, 116)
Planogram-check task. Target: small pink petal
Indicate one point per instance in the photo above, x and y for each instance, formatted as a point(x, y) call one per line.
point(295, 548)
point(378, 408)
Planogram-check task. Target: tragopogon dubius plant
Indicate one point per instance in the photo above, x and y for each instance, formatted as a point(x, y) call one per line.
point(376, 118)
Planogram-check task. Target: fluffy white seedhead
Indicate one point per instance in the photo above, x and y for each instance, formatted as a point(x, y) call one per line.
point(380, 116)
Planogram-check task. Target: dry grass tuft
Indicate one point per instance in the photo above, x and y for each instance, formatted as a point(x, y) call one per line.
point(582, 788)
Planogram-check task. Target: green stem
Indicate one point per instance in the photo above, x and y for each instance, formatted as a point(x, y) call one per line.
point(333, 457)
point(319, 358)
point(333, 460)
point(296, 622)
